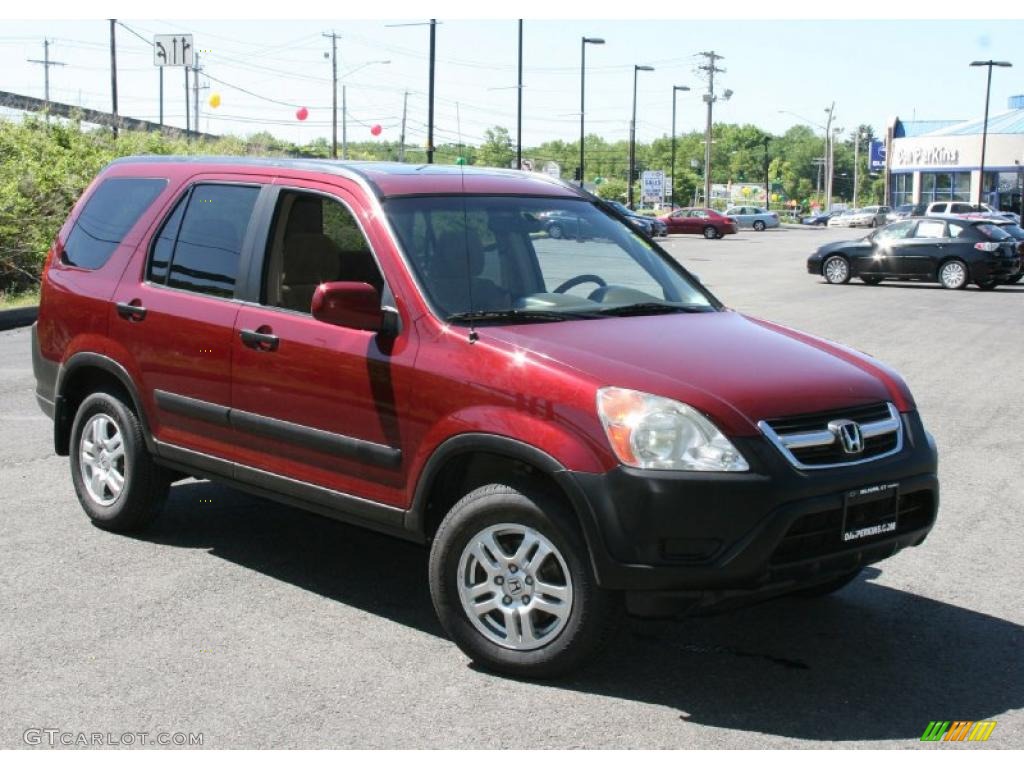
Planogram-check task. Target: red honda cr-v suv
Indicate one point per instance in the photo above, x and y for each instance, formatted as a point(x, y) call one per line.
point(571, 424)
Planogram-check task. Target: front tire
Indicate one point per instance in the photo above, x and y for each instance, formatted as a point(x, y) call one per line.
point(759, 226)
point(953, 275)
point(555, 231)
point(512, 586)
point(836, 270)
point(117, 482)
point(710, 233)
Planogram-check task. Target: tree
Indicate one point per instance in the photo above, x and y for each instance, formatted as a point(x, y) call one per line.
point(496, 151)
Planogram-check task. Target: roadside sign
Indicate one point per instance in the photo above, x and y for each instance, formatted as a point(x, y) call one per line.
point(653, 185)
point(553, 169)
point(876, 156)
point(172, 50)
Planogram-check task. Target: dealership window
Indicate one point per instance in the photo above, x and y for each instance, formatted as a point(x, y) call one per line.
point(945, 186)
point(1003, 190)
point(903, 188)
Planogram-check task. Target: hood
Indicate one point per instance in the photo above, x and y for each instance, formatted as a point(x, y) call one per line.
point(860, 242)
point(736, 369)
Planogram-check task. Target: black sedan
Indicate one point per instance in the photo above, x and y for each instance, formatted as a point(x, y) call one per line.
point(952, 251)
point(648, 224)
point(816, 220)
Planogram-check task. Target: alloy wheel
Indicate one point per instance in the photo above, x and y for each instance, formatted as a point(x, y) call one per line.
point(102, 459)
point(515, 586)
point(953, 275)
point(837, 270)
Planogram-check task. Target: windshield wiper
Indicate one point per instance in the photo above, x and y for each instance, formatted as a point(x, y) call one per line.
point(515, 315)
point(650, 308)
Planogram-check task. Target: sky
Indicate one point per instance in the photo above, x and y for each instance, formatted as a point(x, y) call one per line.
point(781, 72)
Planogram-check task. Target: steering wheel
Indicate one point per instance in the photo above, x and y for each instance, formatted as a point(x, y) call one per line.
point(572, 282)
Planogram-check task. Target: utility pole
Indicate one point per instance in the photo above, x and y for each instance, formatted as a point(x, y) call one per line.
point(195, 91)
point(401, 147)
point(828, 158)
point(187, 118)
point(334, 92)
point(344, 122)
point(709, 97)
point(767, 177)
point(856, 165)
point(519, 104)
point(113, 75)
point(46, 72)
point(672, 189)
point(430, 95)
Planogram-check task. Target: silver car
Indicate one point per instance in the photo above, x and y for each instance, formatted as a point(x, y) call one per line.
point(751, 216)
point(872, 216)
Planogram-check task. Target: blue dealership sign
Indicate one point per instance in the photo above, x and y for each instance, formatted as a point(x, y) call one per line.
point(876, 156)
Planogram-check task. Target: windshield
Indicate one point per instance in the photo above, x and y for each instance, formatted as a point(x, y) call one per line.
point(518, 259)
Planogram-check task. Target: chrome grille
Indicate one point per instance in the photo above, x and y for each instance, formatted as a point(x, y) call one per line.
point(816, 440)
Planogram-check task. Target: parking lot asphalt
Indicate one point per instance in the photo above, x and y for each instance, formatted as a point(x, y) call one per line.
point(262, 626)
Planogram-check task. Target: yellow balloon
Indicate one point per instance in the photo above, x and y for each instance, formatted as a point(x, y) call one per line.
point(214, 100)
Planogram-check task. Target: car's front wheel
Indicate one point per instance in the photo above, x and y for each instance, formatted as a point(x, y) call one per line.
point(116, 480)
point(759, 226)
point(512, 585)
point(555, 231)
point(836, 270)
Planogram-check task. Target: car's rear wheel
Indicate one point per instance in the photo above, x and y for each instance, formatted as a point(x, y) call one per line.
point(555, 231)
point(871, 279)
point(953, 274)
point(710, 233)
point(830, 586)
point(987, 285)
point(836, 270)
point(511, 582)
point(759, 226)
point(117, 482)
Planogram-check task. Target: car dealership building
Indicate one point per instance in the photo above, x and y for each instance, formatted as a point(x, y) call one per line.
point(930, 160)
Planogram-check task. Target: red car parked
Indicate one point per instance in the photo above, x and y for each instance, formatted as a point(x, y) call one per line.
point(568, 424)
point(699, 221)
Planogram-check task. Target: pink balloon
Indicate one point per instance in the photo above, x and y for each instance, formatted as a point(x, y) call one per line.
point(375, 130)
point(302, 113)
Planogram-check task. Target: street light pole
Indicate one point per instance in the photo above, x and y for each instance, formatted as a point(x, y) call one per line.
point(519, 104)
point(767, 178)
point(583, 81)
point(984, 129)
point(672, 190)
point(637, 68)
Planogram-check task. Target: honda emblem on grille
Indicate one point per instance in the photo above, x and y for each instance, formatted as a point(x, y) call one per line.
point(849, 434)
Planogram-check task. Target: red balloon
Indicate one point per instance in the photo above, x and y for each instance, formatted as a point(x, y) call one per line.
point(376, 130)
point(302, 113)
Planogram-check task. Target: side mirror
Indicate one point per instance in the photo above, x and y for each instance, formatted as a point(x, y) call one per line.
point(350, 305)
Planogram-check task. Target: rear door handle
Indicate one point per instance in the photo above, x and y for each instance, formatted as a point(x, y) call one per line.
point(131, 310)
point(261, 340)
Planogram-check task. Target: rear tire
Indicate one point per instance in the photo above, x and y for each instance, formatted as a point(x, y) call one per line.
point(118, 484)
point(710, 233)
point(526, 603)
point(555, 231)
point(953, 275)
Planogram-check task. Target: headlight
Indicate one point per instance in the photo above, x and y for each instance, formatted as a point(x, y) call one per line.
point(651, 432)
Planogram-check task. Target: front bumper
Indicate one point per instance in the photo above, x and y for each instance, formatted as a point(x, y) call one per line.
point(692, 540)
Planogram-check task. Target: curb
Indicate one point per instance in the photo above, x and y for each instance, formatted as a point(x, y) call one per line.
point(17, 318)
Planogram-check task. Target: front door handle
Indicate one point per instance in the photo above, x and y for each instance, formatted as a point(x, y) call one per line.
point(260, 339)
point(132, 310)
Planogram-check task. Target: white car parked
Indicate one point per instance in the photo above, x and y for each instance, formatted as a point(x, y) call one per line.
point(751, 216)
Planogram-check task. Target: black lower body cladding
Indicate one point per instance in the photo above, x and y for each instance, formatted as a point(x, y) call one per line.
point(706, 538)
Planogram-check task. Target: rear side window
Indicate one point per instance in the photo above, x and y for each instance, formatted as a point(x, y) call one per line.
point(199, 247)
point(109, 213)
point(930, 229)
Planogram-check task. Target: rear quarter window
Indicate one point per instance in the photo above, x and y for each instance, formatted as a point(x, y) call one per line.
point(109, 214)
